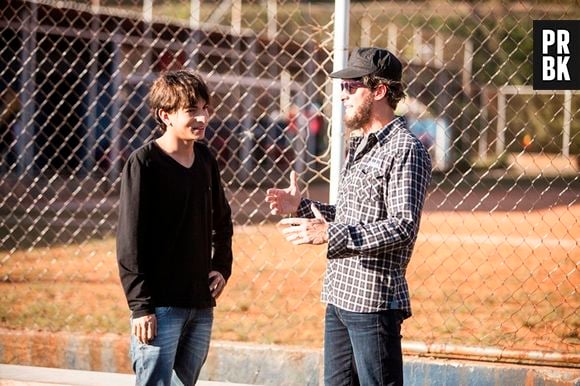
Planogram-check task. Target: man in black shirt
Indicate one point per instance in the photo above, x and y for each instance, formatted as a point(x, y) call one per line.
point(173, 212)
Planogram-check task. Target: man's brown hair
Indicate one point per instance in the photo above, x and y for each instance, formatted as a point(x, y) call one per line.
point(174, 90)
point(395, 90)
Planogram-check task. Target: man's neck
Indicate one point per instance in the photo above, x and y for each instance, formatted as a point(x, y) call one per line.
point(180, 150)
point(377, 125)
point(173, 145)
point(382, 115)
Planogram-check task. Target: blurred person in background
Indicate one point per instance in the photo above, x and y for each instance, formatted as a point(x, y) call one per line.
point(9, 110)
point(173, 214)
point(372, 229)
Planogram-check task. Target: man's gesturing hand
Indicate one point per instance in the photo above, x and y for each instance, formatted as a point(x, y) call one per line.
point(285, 201)
point(306, 230)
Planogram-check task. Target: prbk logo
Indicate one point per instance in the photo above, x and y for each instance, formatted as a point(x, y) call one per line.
point(556, 54)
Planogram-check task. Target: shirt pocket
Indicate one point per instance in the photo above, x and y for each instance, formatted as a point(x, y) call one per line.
point(367, 188)
point(368, 185)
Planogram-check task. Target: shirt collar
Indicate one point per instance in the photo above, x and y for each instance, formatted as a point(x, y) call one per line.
point(383, 134)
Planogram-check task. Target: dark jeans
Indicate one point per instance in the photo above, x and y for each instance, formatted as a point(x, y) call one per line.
point(362, 348)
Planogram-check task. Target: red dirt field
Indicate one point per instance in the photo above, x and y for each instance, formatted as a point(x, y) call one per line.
point(504, 279)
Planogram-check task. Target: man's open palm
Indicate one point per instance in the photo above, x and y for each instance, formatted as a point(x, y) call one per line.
point(285, 201)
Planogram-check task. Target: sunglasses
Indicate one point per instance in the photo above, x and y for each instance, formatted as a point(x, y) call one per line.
point(351, 86)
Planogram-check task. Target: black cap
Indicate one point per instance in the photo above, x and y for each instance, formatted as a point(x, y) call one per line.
point(370, 60)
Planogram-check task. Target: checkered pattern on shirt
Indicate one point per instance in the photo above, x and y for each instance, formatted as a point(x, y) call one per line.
point(374, 224)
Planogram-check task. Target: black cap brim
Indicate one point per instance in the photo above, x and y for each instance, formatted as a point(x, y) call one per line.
point(350, 73)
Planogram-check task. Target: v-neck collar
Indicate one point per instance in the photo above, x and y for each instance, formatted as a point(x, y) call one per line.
point(173, 160)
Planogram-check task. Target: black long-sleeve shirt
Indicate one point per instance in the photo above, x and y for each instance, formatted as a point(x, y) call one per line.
point(170, 219)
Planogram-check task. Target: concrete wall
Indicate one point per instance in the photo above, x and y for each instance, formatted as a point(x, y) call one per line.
point(262, 364)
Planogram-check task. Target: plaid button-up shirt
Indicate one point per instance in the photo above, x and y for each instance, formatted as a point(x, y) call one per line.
point(374, 224)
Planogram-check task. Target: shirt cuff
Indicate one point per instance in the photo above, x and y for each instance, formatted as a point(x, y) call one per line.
point(304, 209)
point(142, 312)
point(337, 240)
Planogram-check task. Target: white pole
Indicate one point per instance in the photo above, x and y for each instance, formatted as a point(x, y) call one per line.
point(467, 66)
point(148, 10)
point(439, 51)
point(482, 151)
point(237, 16)
point(392, 37)
point(194, 26)
point(418, 46)
point(365, 31)
point(148, 19)
point(567, 123)
point(194, 13)
point(501, 122)
point(272, 11)
point(341, 28)
point(285, 92)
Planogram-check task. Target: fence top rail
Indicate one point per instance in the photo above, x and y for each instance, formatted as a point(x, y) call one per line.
point(527, 90)
point(125, 13)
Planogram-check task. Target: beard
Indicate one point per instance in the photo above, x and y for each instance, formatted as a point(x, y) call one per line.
point(362, 115)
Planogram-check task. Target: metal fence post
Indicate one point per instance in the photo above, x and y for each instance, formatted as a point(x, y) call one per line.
point(341, 31)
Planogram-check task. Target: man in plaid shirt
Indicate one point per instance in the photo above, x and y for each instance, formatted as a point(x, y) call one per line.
point(372, 229)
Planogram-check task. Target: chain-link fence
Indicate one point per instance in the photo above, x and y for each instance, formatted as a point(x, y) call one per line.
point(496, 264)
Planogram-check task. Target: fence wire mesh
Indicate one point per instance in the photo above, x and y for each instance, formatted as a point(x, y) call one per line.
point(496, 264)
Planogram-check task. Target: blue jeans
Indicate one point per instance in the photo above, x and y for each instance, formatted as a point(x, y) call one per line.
point(175, 356)
point(362, 348)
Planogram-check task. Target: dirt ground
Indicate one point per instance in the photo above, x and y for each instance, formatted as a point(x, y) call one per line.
point(493, 266)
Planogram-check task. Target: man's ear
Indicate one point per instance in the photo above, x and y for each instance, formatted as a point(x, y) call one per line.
point(163, 116)
point(380, 91)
